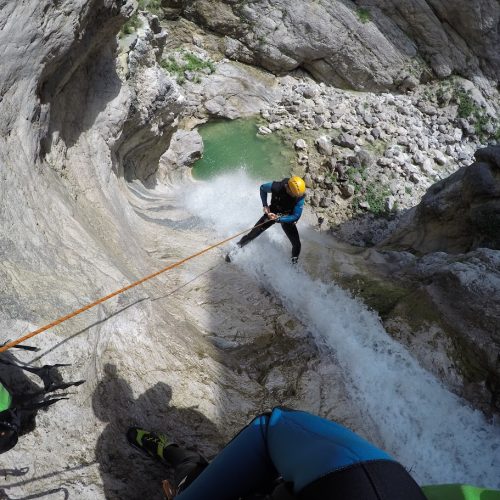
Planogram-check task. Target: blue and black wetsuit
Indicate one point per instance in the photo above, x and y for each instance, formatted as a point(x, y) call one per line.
point(288, 207)
point(315, 458)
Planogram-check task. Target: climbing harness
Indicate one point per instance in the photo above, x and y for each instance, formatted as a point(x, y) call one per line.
point(62, 319)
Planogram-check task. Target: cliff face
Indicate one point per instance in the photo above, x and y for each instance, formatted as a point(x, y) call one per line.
point(81, 133)
point(458, 214)
point(456, 231)
point(365, 45)
point(436, 279)
point(77, 123)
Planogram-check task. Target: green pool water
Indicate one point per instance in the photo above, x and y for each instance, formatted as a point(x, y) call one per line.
point(233, 145)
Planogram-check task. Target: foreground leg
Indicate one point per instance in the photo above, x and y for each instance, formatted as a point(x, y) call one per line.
point(325, 460)
point(240, 469)
point(291, 231)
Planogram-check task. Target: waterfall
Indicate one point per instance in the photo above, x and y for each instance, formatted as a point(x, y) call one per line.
point(431, 431)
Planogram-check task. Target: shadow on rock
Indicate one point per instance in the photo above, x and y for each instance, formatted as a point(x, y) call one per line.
point(126, 473)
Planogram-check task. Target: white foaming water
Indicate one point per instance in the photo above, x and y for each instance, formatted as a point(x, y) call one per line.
point(428, 429)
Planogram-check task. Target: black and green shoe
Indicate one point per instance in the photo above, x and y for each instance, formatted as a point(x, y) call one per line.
point(151, 444)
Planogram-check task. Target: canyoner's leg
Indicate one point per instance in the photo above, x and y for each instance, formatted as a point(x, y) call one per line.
point(292, 233)
point(256, 231)
point(323, 459)
point(316, 457)
point(188, 465)
point(240, 469)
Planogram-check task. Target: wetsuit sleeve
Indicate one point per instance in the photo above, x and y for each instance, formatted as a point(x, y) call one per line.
point(264, 189)
point(295, 215)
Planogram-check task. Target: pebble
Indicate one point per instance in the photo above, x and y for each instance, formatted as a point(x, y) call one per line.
point(300, 144)
point(408, 137)
point(324, 145)
point(347, 190)
point(346, 141)
point(440, 157)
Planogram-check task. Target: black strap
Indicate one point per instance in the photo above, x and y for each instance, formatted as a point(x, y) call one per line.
point(49, 378)
point(24, 347)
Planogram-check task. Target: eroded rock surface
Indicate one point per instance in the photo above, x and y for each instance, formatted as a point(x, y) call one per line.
point(76, 123)
point(458, 214)
point(363, 45)
point(196, 353)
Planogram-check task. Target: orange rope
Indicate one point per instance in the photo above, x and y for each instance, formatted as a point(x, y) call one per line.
point(117, 292)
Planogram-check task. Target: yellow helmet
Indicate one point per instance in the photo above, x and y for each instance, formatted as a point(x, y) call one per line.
point(297, 186)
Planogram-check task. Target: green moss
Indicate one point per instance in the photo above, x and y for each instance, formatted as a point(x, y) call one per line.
point(194, 63)
point(378, 147)
point(153, 6)
point(466, 105)
point(363, 14)
point(468, 108)
point(480, 126)
point(376, 196)
point(377, 294)
point(171, 65)
point(184, 61)
point(353, 175)
point(468, 360)
point(418, 310)
point(130, 26)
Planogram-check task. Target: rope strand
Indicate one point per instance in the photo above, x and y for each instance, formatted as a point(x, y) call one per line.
point(62, 319)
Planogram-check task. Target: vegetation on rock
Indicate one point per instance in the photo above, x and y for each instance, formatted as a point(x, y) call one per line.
point(363, 15)
point(131, 25)
point(153, 6)
point(187, 65)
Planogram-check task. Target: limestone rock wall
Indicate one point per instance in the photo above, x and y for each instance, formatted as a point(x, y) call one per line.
point(458, 214)
point(154, 108)
point(365, 45)
point(456, 278)
point(76, 123)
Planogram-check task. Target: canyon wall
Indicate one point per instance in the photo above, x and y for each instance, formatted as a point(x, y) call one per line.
point(363, 45)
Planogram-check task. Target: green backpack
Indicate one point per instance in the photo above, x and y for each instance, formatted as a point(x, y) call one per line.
point(5, 398)
point(459, 492)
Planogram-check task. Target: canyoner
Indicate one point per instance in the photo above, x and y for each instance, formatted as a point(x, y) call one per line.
point(287, 203)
